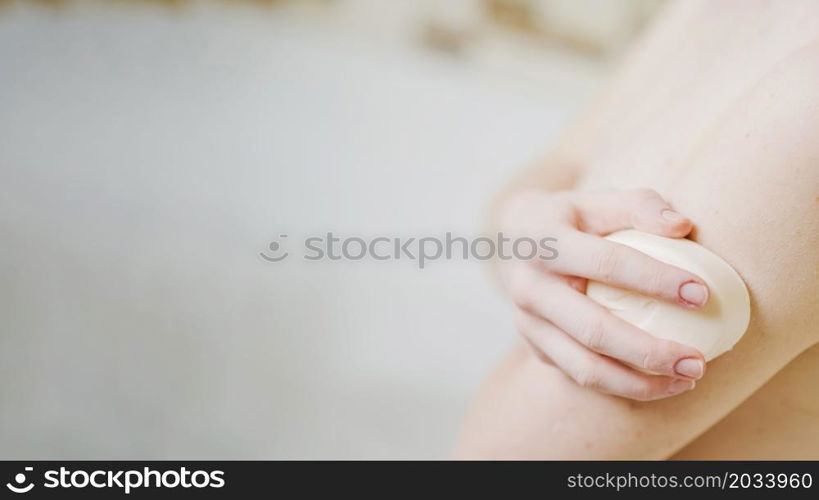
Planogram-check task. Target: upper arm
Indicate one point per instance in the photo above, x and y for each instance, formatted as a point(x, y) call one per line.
point(752, 188)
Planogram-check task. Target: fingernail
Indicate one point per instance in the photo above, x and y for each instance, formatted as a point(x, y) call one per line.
point(671, 215)
point(694, 293)
point(679, 386)
point(690, 367)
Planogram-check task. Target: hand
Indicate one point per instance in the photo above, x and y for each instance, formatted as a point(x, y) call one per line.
point(595, 348)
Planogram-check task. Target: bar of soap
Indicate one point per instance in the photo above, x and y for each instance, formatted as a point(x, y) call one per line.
point(713, 329)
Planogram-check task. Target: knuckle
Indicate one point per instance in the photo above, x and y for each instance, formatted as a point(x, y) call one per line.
point(534, 297)
point(645, 390)
point(546, 264)
point(659, 356)
point(657, 281)
point(606, 262)
point(588, 376)
point(522, 292)
point(645, 194)
point(594, 333)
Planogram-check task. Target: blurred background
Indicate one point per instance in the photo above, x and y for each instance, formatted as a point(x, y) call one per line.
point(150, 150)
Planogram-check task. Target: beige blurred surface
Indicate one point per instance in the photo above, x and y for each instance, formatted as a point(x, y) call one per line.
point(148, 156)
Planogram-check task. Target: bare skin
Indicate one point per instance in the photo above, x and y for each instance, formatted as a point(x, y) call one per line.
point(717, 111)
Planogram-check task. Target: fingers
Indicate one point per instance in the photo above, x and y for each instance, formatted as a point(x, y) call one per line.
point(579, 336)
point(592, 370)
point(601, 260)
point(597, 329)
point(603, 212)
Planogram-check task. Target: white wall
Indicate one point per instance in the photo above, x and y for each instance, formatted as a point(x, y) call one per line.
point(147, 156)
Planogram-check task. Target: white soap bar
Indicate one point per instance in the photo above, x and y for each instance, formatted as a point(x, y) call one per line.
point(713, 329)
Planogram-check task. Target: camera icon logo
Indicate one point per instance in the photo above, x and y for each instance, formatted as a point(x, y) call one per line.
point(20, 478)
